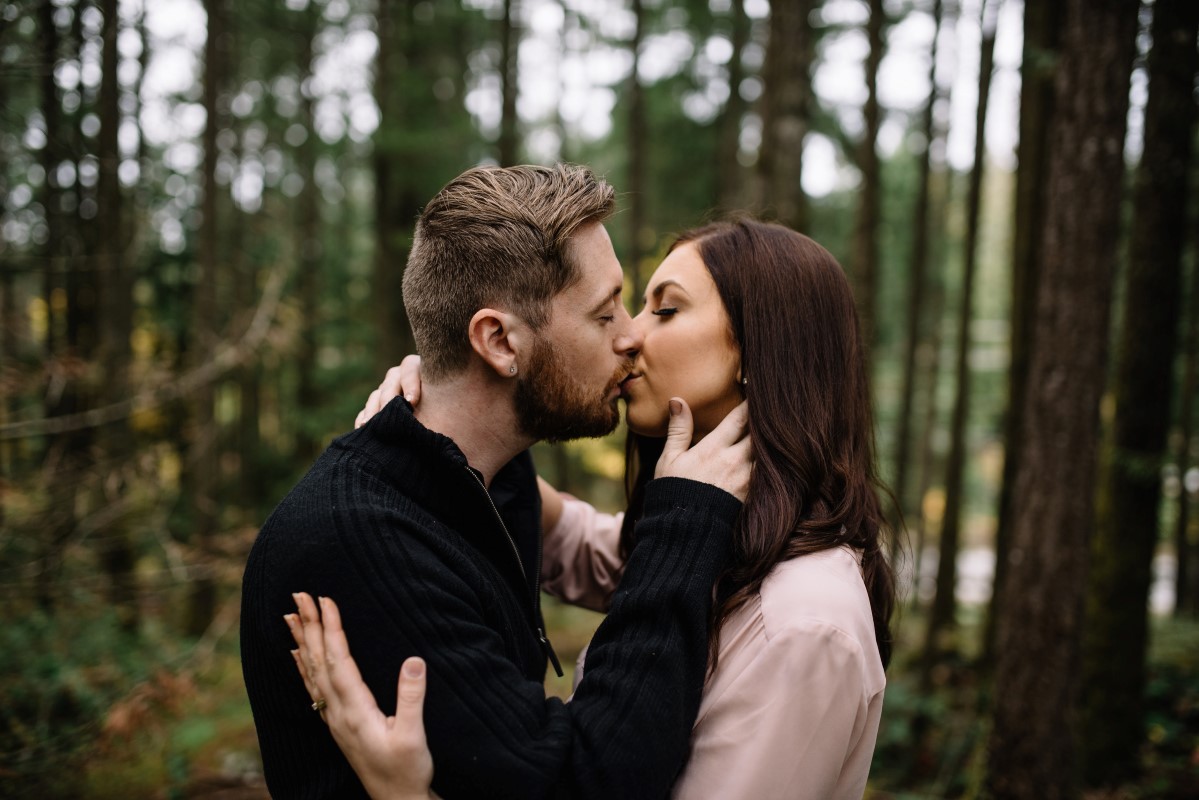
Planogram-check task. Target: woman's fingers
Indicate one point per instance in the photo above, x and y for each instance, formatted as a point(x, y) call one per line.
point(313, 633)
point(733, 428)
point(410, 696)
point(408, 378)
point(344, 676)
point(300, 654)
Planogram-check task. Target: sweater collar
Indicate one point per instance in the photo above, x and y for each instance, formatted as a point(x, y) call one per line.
point(432, 470)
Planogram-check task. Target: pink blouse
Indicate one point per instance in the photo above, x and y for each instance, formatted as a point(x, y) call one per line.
point(792, 710)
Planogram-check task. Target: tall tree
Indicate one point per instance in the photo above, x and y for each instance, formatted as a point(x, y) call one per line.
point(203, 452)
point(117, 552)
point(1042, 35)
point(309, 229)
point(865, 239)
point(509, 81)
point(1040, 625)
point(636, 149)
point(1117, 630)
point(917, 285)
point(786, 101)
point(729, 166)
point(1186, 597)
point(941, 617)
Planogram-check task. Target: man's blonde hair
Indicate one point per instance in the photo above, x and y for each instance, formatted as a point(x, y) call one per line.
point(495, 237)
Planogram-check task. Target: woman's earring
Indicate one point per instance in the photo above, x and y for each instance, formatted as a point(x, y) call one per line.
point(511, 369)
point(745, 381)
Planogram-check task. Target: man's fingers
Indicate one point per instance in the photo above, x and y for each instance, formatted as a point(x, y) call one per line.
point(678, 432)
point(410, 696)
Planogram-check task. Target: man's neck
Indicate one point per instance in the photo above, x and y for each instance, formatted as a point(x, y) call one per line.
point(475, 410)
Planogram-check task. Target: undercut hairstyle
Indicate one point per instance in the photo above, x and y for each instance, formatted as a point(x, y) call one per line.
point(495, 237)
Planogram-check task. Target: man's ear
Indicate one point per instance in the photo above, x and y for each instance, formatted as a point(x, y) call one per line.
point(500, 339)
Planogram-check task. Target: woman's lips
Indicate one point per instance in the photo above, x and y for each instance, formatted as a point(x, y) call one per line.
point(624, 385)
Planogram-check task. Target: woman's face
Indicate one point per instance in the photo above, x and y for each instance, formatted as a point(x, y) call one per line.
point(689, 350)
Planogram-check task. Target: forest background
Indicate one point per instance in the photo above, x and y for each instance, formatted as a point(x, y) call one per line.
point(207, 205)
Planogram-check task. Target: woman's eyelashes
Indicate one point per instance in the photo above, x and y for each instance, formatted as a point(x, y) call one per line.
point(665, 312)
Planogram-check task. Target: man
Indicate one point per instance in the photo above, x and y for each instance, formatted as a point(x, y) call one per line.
point(423, 525)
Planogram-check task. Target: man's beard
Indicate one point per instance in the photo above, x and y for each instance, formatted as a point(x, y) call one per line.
point(552, 406)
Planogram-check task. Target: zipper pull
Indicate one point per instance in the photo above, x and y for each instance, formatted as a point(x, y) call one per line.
point(549, 651)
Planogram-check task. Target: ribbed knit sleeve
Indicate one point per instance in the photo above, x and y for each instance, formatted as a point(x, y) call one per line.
point(409, 588)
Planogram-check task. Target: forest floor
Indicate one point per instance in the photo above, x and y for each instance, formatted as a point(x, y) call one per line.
point(187, 735)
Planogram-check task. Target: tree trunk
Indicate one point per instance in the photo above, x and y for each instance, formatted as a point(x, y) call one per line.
point(202, 448)
point(509, 78)
point(1117, 630)
point(729, 166)
point(941, 616)
point(1186, 598)
point(917, 280)
point(309, 236)
point(785, 111)
point(636, 145)
point(1040, 624)
point(865, 240)
point(1042, 32)
point(396, 206)
point(117, 553)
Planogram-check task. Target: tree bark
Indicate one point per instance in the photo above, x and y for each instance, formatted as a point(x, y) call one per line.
point(941, 623)
point(729, 176)
point(786, 104)
point(1186, 598)
point(865, 240)
point(917, 284)
point(396, 204)
point(1042, 34)
point(636, 145)
point(1040, 625)
point(1116, 636)
point(309, 236)
point(117, 554)
point(509, 78)
point(202, 458)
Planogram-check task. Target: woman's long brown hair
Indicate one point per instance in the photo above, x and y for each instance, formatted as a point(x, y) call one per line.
point(815, 484)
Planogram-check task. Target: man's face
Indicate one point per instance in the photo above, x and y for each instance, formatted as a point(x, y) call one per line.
point(569, 387)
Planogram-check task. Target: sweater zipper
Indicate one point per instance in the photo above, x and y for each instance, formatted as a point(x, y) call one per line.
point(546, 647)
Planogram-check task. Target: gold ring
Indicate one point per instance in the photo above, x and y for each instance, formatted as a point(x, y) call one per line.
point(319, 705)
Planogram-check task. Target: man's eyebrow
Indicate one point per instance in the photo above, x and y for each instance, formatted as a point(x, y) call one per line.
point(608, 298)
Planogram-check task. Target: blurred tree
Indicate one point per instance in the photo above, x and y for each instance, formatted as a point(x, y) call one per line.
point(509, 82)
point(917, 284)
point(786, 109)
point(1186, 597)
point(941, 620)
point(637, 135)
point(202, 451)
point(307, 28)
point(1117, 626)
point(864, 262)
point(1040, 625)
point(729, 194)
point(115, 285)
point(1042, 32)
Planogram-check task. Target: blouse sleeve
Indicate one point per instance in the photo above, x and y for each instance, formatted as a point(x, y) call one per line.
point(580, 560)
point(794, 724)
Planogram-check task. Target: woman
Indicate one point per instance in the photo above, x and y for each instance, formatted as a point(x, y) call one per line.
point(791, 707)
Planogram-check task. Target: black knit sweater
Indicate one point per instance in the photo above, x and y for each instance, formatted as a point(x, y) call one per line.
point(392, 524)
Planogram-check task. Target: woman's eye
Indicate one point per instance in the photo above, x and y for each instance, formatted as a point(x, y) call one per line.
point(665, 312)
